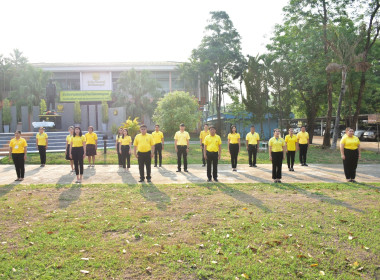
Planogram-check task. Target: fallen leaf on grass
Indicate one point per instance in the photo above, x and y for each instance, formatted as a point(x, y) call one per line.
point(322, 273)
point(179, 261)
point(214, 262)
point(84, 271)
point(85, 259)
point(245, 276)
point(201, 246)
point(14, 269)
point(254, 250)
point(314, 265)
point(124, 251)
point(302, 256)
point(148, 270)
point(360, 268)
point(343, 221)
point(49, 232)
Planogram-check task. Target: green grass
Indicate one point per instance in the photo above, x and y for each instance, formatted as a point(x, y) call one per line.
point(209, 231)
point(315, 155)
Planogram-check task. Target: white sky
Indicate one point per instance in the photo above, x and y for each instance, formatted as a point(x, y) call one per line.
point(123, 31)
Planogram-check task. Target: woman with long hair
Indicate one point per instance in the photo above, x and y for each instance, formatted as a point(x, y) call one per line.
point(119, 135)
point(234, 146)
point(350, 153)
point(42, 145)
point(125, 149)
point(17, 151)
point(78, 152)
point(68, 143)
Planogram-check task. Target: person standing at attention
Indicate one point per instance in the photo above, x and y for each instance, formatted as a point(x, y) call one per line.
point(212, 153)
point(303, 144)
point(17, 151)
point(91, 145)
point(252, 143)
point(125, 149)
point(68, 143)
point(42, 145)
point(346, 132)
point(350, 153)
point(78, 152)
point(181, 144)
point(158, 137)
point(202, 136)
point(291, 147)
point(234, 146)
point(144, 151)
point(277, 151)
point(117, 145)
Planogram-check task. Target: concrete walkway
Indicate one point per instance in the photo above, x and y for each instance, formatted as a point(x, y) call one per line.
point(60, 174)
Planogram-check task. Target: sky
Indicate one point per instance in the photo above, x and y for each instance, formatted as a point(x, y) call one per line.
point(127, 31)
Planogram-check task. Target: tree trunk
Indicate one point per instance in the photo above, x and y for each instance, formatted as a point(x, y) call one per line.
point(337, 118)
point(360, 97)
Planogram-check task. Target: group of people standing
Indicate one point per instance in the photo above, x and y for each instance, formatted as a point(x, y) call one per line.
point(147, 146)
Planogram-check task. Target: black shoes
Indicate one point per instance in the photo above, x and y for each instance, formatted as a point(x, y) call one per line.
point(305, 164)
point(216, 180)
point(254, 165)
point(186, 170)
point(149, 181)
point(209, 180)
point(155, 165)
point(250, 165)
point(141, 181)
point(178, 170)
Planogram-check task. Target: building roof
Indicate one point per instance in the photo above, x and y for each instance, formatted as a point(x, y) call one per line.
point(107, 66)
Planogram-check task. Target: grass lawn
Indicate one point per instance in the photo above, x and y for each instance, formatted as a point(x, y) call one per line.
point(315, 155)
point(210, 231)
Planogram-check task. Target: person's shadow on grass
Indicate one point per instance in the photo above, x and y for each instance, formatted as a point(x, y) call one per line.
point(69, 195)
point(8, 188)
point(151, 193)
point(126, 177)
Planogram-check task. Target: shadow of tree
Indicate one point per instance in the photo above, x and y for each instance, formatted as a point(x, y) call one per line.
point(151, 193)
point(69, 195)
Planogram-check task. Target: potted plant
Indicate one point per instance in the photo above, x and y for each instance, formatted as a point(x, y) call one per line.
point(7, 117)
point(77, 114)
point(105, 117)
point(43, 107)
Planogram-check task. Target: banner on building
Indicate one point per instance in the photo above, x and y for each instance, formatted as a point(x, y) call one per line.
point(96, 81)
point(85, 95)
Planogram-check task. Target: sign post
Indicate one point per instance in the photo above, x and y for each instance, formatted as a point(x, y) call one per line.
point(375, 119)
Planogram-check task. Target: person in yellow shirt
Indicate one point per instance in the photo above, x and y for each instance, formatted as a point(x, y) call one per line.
point(252, 143)
point(91, 145)
point(68, 143)
point(212, 153)
point(303, 144)
point(181, 144)
point(202, 136)
point(346, 132)
point(17, 151)
point(117, 145)
point(144, 151)
point(42, 145)
point(350, 153)
point(234, 146)
point(78, 152)
point(158, 137)
point(125, 149)
point(291, 148)
point(277, 151)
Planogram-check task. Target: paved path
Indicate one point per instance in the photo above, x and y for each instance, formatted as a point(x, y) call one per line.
point(60, 174)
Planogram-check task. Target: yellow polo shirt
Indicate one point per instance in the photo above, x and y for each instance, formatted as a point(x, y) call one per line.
point(212, 143)
point(144, 143)
point(351, 143)
point(203, 135)
point(277, 144)
point(77, 141)
point(291, 142)
point(182, 138)
point(119, 138)
point(68, 139)
point(302, 137)
point(91, 138)
point(18, 146)
point(126, 140)
point(234, 138)
point(41, 139)
point(252, 138)
point(157, 136)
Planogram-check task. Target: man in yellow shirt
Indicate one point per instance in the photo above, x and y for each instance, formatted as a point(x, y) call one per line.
point(144, 151)
point(212, 153)
point(202, 136)
point(303, 144)
point(277, 150)
point(158, 137)
point(17, 151)
point(181, 144)
point(252, 143)
point(42, 145)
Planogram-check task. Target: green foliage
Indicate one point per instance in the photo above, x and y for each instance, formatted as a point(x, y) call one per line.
point(7, 117)
point(114, 129)
point(43, 107)
point(77, 113)
point(105, 117)
point(133, 126)
point(175, 108)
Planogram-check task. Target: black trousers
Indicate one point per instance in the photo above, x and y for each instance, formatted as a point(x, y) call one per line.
point(252, 154)
point(234, 151)
point(119, 157)
point(290, 155)
point(18, 160)
point(350, 163)
point(77, 154)
point(125, 156)
point(42, 151)
point(203, 156)
point(158, 151)
point(145, 159)
point(277, 158)
point(182, 151)
point(303, 152)
point(212, 159)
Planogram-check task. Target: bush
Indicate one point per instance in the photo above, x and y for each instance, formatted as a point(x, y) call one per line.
point(7, 117)
point(132, 126)
point(105, 117)
point(114, 129)
point(43, 106)
point(77, 113)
